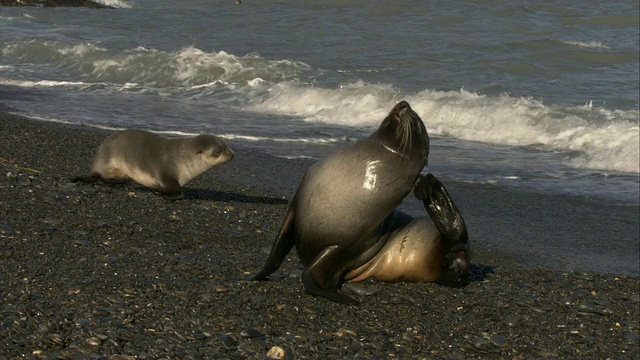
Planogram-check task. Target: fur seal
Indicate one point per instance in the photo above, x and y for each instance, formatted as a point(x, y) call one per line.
point(163, 164)
point(342, 214)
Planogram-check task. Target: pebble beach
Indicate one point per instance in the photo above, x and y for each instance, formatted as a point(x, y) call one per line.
point(93, 271)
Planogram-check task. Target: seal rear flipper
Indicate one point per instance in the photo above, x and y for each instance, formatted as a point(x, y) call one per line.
point(320, 279)
point(281, 247)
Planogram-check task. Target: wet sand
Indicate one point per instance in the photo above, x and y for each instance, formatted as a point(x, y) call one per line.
point(117, 272)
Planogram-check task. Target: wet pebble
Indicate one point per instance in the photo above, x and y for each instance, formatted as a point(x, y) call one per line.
point(588, 309)
point(545, 353)
point(94, 341)
point(5, 230)
point(342, 332)
point(296, 273)
point(235, 232)
point(101, 312)
point(361, 289)
point(276, 353)
point(51, 221)
point(583, 275)
point(251, 333)
point(480, 343)
point(511, 320)
point(498, 340)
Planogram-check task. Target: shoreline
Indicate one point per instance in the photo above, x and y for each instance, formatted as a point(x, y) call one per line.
point(105, 270)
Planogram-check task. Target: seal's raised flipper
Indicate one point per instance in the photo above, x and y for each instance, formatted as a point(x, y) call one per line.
point(281, 247)
point(449, 222)
point(441, 208)
point(321, 279)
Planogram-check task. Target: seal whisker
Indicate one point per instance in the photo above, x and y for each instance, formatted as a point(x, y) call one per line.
point(407, 140)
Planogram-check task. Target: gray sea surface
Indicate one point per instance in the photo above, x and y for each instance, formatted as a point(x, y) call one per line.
point(538, 97)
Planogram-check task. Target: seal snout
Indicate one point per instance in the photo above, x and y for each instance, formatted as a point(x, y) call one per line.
point(402, 106)
point(455, 268)
point(403, 110)
point(460, 262)
point(229, 154)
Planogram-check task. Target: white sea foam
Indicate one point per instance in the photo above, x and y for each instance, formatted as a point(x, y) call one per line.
point(356, 104)
point(586, 45)
point(43, 83)
point(122, 4)
point(309, 140)
point(186, 67)
point(189, 67)
point(592, 137)
point(251, 138)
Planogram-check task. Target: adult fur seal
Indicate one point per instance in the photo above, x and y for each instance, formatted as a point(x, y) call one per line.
point(342, 214)
point(163, 164)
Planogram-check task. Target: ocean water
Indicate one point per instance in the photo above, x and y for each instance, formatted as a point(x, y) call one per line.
point(538, 95)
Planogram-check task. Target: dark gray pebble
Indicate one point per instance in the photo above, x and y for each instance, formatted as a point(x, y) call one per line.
point(361, 289)
point(251, 333)
point(589, 309)
point(498, 340)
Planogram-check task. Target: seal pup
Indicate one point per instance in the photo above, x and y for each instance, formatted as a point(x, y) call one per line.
point(339, 218)
point(163, 164)
point(431, 249)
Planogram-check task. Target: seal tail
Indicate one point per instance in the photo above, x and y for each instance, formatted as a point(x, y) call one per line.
point(281, 247)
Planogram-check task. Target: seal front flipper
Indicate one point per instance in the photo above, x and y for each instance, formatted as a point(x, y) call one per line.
point(441, 208)
point(169, 188)
point(449, 221)
point(91, 178)
point(321, 279)
point(281, 247)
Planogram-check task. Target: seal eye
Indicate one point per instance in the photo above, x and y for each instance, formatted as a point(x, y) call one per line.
point(215, 153)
